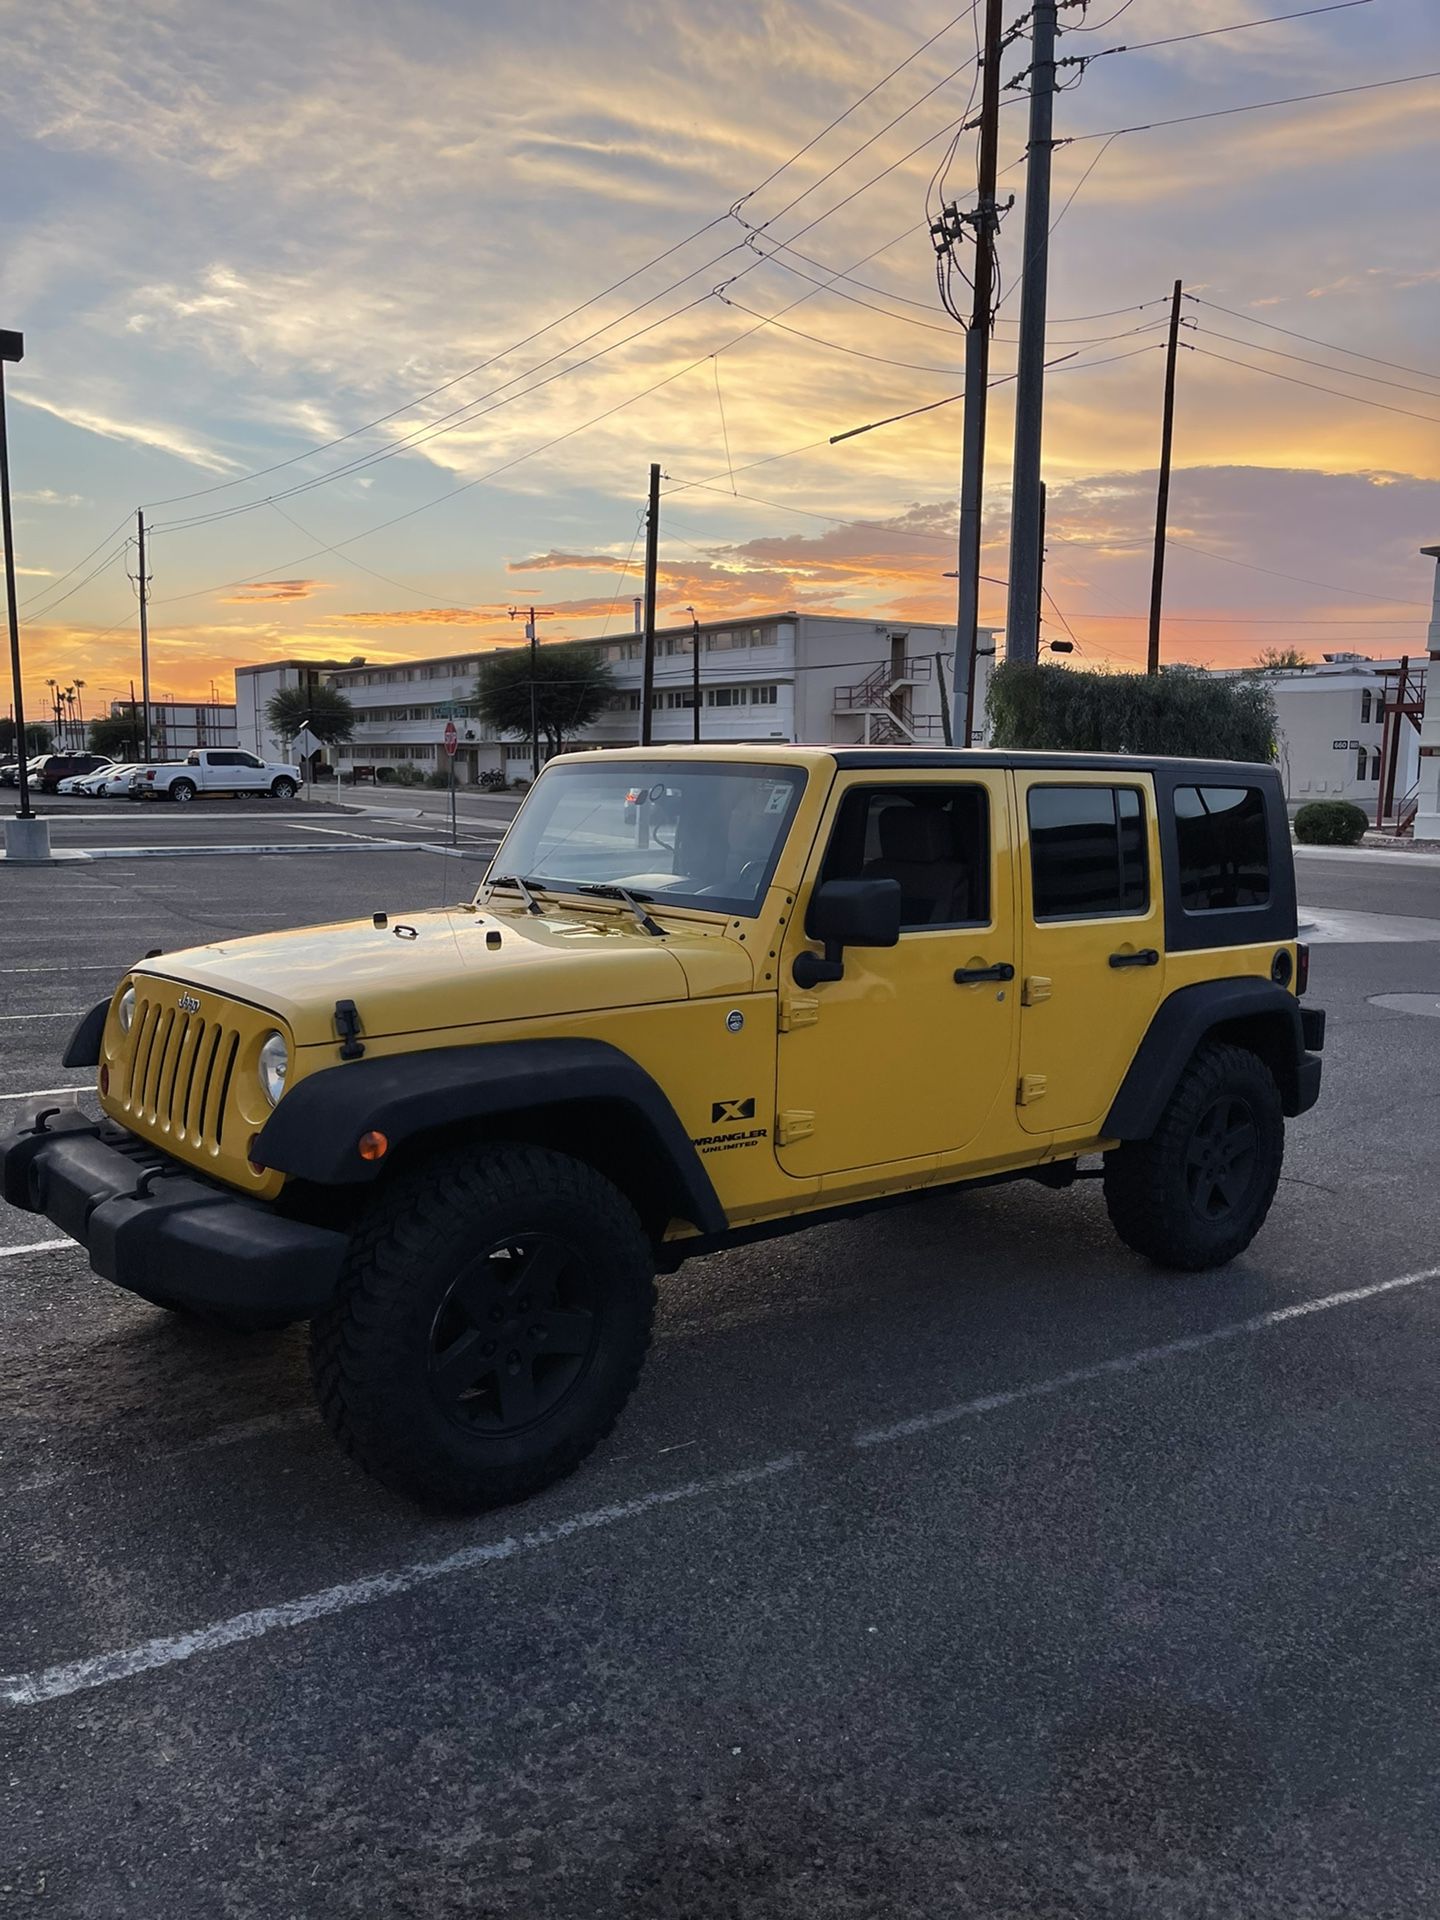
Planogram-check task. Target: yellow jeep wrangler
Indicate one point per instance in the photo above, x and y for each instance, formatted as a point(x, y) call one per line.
point(703, 995)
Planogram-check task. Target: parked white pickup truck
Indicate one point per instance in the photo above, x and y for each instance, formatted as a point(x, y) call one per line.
point(215, 770)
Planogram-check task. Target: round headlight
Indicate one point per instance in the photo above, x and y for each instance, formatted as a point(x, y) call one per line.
point(125, 1013)
point(274, 1065)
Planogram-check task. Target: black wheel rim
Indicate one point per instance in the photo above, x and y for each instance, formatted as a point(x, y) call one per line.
point(514, 1335)
point(1220, 1160)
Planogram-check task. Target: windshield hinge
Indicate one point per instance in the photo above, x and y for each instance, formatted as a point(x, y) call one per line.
point(798, 1011)
point(797, 1124)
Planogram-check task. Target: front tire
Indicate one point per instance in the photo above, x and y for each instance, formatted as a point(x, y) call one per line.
point(183, 792)
point(489, 1326)
point(284, 789)
point(1196, 1193)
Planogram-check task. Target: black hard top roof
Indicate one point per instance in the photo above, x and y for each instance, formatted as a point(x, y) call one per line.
point(899, 759)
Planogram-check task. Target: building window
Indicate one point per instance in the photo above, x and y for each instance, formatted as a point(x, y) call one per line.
point(1360, 763)
point(765, 696)
point(1087, 852)
point(1365, 708)
point(1223, 848)
point(1375, 764)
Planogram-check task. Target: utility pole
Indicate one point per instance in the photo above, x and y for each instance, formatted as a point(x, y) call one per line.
point(1022, 615)
point(694, 673)
point(652, 568)
point(1162, 496)
point(977, 376)
point(144, 586)
point(531, 632)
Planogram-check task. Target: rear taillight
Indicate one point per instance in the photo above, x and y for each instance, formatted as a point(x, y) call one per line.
point(151, 774)
point(1302, 967)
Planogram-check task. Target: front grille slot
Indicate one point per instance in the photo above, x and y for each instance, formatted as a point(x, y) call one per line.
point(180, 1075)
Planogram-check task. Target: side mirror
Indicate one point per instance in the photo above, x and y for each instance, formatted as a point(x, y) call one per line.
point(847, 913)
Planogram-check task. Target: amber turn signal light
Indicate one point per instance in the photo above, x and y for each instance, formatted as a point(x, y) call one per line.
point(373, 1146)
point(104, 1079)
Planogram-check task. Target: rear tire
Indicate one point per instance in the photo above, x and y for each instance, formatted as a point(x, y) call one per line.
point(1195, 1194)
point(284, 789)
point(183, 792)
point(489, 1326)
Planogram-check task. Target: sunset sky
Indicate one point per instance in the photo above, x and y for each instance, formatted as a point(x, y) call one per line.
point(233, 234)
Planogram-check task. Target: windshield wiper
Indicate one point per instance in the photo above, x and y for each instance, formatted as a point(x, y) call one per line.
point(522, 887)
point(631, 900)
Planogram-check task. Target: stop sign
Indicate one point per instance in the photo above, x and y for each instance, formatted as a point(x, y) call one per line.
point(452, 738)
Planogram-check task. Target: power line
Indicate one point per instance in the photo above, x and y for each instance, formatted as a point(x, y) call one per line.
point(1331, 346)
point(1190, 546)
point(1360, 399)
point(1235, 26)
point(1253, 106)
point(1303, 360)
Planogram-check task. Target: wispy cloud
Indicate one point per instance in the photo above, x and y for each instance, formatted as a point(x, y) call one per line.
point(141, 433)
point(275, 590)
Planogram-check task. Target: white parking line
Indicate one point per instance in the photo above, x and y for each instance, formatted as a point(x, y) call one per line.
point(26, 1690)
point(38, 1093)
point(37, 1246)
point(64, 1015)
point(102, 1669)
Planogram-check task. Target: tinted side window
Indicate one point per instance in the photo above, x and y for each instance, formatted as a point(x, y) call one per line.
point(934, 840)
point(1223, 854)
point(1087, 852)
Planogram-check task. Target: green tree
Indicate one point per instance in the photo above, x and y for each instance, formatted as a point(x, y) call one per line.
point(119, 735)
point(1180, 710)
point(1278, 659)
point(325, 710)
point(38, 739)
point(572, 681)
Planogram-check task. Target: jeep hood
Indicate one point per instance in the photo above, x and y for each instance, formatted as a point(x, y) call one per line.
point(427, 972)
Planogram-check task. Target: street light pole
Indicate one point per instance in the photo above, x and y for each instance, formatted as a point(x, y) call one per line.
point(12, 349)
point(695, 673)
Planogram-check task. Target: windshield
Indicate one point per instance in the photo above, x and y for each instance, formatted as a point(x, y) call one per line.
point(704, 835)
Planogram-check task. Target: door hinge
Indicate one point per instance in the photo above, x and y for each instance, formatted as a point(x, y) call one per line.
point(797, 1124)
point(798, 1012)
point(1037, 987)
point(1031, 1089)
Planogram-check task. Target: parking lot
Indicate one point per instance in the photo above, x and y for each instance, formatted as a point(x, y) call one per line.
point(949, 1561)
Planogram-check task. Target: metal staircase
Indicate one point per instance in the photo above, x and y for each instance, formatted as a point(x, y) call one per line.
point(885, 704)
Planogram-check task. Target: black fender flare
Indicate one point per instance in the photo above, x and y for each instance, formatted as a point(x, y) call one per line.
point(315, 1131)
point(83, 1047)
point(1250, 1007)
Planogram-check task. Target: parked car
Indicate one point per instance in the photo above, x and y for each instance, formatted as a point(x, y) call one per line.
point(84, 783)
point(845, 975)
point(216, 770)
point(10, 772)
point(55, 767)
point(113, 783)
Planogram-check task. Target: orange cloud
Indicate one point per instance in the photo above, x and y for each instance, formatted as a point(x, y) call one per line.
point(275, 590)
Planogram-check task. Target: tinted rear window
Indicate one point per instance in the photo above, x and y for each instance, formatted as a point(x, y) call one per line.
point(1223, 849)
point(1087, 852)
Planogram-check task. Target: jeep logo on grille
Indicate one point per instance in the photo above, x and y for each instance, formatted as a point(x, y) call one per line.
point(187, 1003)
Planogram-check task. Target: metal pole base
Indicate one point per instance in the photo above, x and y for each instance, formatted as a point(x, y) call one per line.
point(27, 844)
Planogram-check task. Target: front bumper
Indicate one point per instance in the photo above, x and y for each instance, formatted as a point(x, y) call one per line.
point(157, 1228)
point(1308, 1067)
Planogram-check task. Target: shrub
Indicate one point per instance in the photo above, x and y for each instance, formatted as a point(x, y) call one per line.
point(1177, 711)
point(1330, 823)
point(438, 778)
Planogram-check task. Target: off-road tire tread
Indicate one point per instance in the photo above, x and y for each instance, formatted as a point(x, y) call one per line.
point(416, 1210)
point(1140, 1192)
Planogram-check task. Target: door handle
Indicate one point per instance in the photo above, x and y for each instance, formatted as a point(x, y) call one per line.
point(1145, 957)
point(1002, 970)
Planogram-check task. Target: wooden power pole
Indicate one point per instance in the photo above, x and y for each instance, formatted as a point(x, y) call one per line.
point(144, 587)
point(1162, 496)
point(652, 568)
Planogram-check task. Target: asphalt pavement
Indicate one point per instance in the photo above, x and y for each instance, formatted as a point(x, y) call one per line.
point(948, 1562)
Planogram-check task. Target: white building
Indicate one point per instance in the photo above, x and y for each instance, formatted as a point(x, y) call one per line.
point(255, 687)
point(1331, 732)
point(773, 676)
point(794, 677)
point(1427, 796)
point(177, 726)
